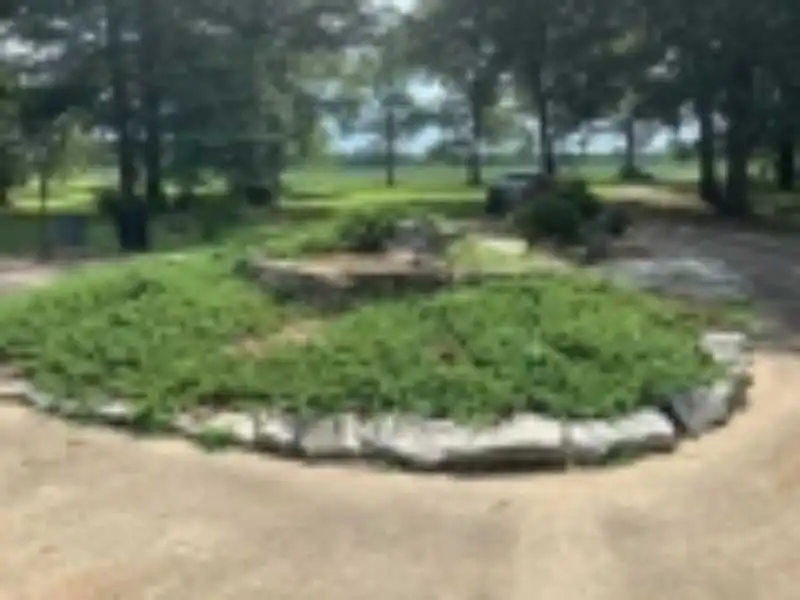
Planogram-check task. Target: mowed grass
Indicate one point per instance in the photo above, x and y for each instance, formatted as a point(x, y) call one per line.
point(313, 194)
point(320, 184)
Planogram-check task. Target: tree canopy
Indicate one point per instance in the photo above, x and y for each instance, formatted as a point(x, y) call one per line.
point(240, 88)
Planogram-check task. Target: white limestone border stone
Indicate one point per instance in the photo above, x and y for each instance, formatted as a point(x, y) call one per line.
point(527, 441)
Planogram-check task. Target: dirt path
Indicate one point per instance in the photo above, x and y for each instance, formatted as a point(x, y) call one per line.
point(91, 514)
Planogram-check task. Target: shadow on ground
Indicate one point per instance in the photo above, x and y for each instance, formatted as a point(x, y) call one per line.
point(677, 201)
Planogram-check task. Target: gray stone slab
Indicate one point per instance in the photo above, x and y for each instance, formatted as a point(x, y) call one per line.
point(706, 408)
point(242, 427)
point(71, 408)
point(730, 348)
point(415, 442)
point(646, 430)
point(115, 413)
point(590, 442)
point(527, 439)
point(39, 399)
point(187, 425)
point(276, 432)
point(331, 437)
point(15, 389)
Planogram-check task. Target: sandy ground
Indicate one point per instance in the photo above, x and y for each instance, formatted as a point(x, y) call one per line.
point(92, 514)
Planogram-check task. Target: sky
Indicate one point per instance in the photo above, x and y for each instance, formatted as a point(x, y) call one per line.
point(602, 143)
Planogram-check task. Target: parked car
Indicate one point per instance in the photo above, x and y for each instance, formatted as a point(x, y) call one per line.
point(510, 188)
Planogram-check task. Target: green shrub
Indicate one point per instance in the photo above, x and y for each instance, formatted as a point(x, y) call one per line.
point(560, 214)
point(258, 195)
point(577, 191)
point(549, 216)
point(368, 230)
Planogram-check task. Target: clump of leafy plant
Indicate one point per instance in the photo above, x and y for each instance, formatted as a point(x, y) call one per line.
point(146, 332)
point(170, 336)
point(557, 345)
point(565, 212)
point(368, 230)
point(577, 192)
point(549, 217)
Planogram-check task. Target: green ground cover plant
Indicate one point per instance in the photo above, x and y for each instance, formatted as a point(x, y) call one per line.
point(176, 335)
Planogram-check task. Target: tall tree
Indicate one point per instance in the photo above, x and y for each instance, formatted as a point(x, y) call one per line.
point(151, 25)
point(457, 42)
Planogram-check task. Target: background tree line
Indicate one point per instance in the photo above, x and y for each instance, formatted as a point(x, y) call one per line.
point(239, 89)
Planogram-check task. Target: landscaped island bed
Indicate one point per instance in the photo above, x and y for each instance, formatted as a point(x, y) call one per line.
point(177, 338)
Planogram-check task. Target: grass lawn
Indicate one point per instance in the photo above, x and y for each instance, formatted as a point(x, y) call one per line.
point(319, 193)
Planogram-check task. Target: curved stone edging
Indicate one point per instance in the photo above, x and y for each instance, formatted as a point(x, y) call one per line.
point(524, 441)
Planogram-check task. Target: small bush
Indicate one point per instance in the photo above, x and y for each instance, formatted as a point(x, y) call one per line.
point(565, 213)
point(368, 230)
point(258, 195)
point(577, 191)
point(551, 217)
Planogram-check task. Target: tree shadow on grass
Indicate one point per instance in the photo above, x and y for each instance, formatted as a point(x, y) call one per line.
point(22, 230)
point(676, 202)
point(27, 235)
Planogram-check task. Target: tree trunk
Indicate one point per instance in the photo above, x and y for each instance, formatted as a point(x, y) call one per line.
point(149, 55)
point(45, 249)
point(475, 160)
point(708, 185)
point(785, 166)
point(258, 175)
point(547, 158)
point(390, 159)
point(547, 155)
point(740, 89)
point(122, 116)
point(629, 132)
point(133, 234)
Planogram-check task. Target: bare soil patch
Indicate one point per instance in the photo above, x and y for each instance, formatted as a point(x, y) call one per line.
point(299, 332)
